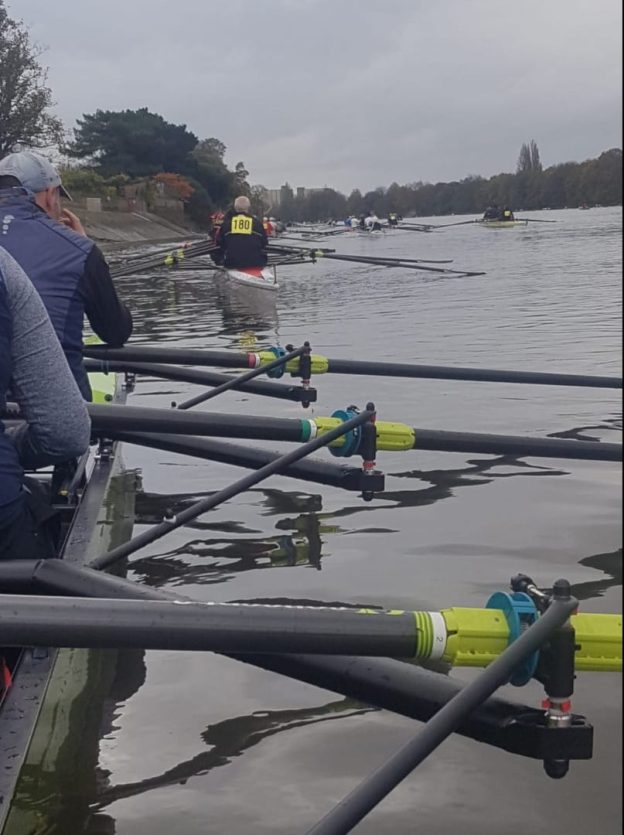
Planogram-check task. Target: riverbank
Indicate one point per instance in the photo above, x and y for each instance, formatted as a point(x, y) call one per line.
point(132, 227)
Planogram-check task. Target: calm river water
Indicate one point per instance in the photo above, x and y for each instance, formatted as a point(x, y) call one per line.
point(210, 745)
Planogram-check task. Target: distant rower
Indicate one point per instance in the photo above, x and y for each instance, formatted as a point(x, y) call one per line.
point(241, 239)
point(372, 223)
point(494, 213)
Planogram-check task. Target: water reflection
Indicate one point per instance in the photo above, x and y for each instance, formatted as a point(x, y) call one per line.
point(55, 791)
point(242, 550)
point(246, 309)
point(226, 557)
point(230, 739)
point(610, 564)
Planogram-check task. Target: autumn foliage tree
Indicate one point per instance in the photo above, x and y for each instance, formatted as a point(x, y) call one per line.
point(176, 184)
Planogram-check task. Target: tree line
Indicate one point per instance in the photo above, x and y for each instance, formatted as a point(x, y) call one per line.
point(571, 184)
point(113, 148)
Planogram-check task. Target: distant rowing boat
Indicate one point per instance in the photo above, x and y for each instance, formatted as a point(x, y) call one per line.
point(369, 231)
point(502, 224)
point(263, 278)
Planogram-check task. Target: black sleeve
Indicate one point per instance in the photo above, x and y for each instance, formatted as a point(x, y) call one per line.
point(224, 229)
point(259, 228)
point(110, 319)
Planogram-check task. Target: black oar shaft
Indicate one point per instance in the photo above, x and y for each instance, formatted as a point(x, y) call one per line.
point(110, 419)
point(386, 683)
point(459, 223)
point(412, 691)
point(167, 258)
point(238, 382)
point(516, 446)
point(319, 472)
point(371, 791)
point(30, 620)
point(387, 263)
point(486, 375)
point(182, 356)
point(410, 264)
point(264, 388)
point(276, 466)
point(229, 359)
point(366, 259)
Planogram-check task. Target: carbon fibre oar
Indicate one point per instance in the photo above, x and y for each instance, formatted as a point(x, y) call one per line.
point(459, 223)
point(237, 382)
point(483, 375)
point(312, 470)
point(379, 262)
point(169, 259)
point(364, 258)
point(353, 808)
point(393, 685)
point(399, 261)
point(461, 637)
point(195, 510)
point(425, 227)
point(485, 220)
point(263, 388)
point(107, 420)
point(534, 220)
point(325, 365)
point(154, 253)
point(408, 263)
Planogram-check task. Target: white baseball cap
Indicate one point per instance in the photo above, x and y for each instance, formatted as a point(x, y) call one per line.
point(34, 172)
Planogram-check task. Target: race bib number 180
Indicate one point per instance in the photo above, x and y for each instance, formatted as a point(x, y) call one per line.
point(242, 225)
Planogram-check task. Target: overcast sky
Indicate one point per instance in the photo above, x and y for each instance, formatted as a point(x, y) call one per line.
point(348, 93)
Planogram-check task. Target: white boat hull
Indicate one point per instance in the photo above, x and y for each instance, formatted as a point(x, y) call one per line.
point(263, 278)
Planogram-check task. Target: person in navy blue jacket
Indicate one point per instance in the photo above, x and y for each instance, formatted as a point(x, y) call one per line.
point(66, 267)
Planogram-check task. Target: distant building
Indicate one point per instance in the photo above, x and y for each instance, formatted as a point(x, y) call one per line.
point(273, 195)
point(276, 196)
point(286, 193)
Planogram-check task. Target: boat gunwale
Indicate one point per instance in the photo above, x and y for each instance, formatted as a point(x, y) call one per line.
point(22, 704)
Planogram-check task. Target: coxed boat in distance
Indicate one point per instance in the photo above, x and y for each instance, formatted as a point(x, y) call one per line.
point(262, 278)
point(50, 693)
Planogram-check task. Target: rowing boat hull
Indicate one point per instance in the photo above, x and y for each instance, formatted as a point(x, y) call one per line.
point(262, 278)
point(502, 224)
point(43, 718)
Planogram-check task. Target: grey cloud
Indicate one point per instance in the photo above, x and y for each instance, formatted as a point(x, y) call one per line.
point(348, 93)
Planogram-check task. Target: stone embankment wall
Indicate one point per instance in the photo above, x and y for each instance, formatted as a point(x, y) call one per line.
point(126, 227)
